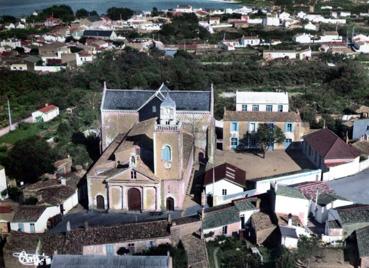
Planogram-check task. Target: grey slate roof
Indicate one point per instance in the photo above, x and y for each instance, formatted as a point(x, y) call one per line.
point(362, 237)
point(288, 232)
point(289, 192)
point(94, 261)
point(133, 99)
point(326, 198)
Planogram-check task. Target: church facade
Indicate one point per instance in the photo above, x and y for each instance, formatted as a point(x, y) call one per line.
point(150, 141)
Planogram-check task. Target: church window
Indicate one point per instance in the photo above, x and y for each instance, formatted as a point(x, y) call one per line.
point(166, 153)
point(133, 174)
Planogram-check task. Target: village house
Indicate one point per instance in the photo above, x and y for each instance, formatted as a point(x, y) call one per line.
point(262, 228)
point(329, 37)
point(45, 114)
point(100, 34)
point(241, 128)
point(303, 38)
point(228, 220)
point(7, 212)
point(269, 55)
point(224, 180)
point(271, 20)
point(326, 150)
point(53, 51)
point(33, 219)
point(246, 41)
point(248, 101)
point(289, 200)
point(148, 165)
point(291, 229)
point(360, 130)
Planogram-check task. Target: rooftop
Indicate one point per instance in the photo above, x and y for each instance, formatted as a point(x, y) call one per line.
point(261, 116)
point(228, 172)
point(28, 213)
point(94, 261)
point(48, 108)
point(362, 237)
point(261, 97)
point(330, 146)
point(289, 192)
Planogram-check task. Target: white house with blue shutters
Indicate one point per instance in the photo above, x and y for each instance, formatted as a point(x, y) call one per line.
point(249, 101)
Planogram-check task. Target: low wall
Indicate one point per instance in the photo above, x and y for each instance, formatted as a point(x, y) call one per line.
point(343, 170)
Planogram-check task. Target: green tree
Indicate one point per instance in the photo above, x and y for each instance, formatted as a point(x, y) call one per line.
point(155, 12)
point(116, 13)
point(287, 259)
point(267, 135)
point(307, 247)
point(29, 159)
point(82, 13)
point(63, 12)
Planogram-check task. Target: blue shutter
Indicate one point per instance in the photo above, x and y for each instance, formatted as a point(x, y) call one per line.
point(166, 153)
point(109, 249)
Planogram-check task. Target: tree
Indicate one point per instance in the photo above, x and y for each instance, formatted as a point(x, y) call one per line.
point(267, 135)
point(286, 259)
point(82, 13)
point(116, 13)
point(63, 12)
point(29, 159)
point(155, 12)
point(307, 247)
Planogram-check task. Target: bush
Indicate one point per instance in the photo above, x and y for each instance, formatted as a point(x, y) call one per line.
point(14, 193)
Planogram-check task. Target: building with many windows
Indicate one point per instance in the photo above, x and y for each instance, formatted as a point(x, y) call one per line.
point(241, 128)
point(248, 101)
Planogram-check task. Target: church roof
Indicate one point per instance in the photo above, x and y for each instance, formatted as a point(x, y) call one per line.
point(133, 99)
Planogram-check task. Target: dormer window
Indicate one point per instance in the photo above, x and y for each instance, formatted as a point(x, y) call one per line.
point(133, 174)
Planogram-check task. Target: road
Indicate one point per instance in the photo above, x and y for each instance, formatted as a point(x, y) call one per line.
point(354, 188)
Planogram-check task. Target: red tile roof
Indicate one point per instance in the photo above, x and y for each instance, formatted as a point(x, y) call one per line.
point(48, 108)
point(228, 172)
point(310, 189)
point(330, 146)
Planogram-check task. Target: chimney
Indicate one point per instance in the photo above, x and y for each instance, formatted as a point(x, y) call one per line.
point(46, 104)
point(63, 181)
point(290, 220)
point(68, 226)
point(203, 198)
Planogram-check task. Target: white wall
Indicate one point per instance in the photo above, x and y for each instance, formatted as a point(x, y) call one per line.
point(289, 242)
point(41, 223)
point(3, 182)
point(262, 186)
point(71, 202)
point(49, 69)
point(262, 107)
point(295, 206)
point(342, 170)
point(220, 185)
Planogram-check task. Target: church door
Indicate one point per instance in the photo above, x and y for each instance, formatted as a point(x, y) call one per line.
point(170, 203)
point(134, 199)
point(100, 203)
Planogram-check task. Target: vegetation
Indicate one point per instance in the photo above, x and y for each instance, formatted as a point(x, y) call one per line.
point(29, 159)
point(269, 135)
point(115, 13)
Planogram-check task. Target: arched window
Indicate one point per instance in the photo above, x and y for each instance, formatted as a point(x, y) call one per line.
point(166, 153)
point(100, 202)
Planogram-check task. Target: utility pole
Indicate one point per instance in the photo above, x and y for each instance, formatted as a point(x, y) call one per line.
point(10, 117)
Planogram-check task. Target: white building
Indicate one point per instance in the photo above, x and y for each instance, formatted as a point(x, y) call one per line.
point(361, 43)
point(262, 101)
point(224, 180)
point(12, 43)
point(289, 200)
point(271, 21)
point(279, 54)
point(249, 41)
point(3, 181)
point(330, 36)
point(310, 27)
point(303, 38)
point(33, 219)
point(184, 9)
point(45, 114)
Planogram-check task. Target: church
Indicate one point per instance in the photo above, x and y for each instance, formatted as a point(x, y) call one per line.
point(151, 140)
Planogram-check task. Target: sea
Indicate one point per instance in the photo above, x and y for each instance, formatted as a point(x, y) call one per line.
point(26, 7)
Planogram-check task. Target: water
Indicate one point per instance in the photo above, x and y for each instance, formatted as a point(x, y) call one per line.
point(26, 7)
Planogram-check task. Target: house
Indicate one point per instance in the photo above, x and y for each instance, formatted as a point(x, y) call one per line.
point(271, 21)
point(289, 200)
point(310, 27)
point(18, 66)
point(246, 41)
point(224, 180)
point(100, 34)
point(148, 165)
point(248, 101)
point(291, 229)
point(33, 219)
point(125, 261)
point(53, 51)
point(325, 149)
point(262, 227)
point(362, 243)
point(3, 180)
point(45, 114)
point(360, 130)
point(279, 54)
point(241, 128)
point(343, 221)
point(303, 38)
point(11, 43)
point(329, 37)
point(51, 192)
point(322, 199)
point(227, 219)
point(99, 241)
point(214, 20)
point(184, 9)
